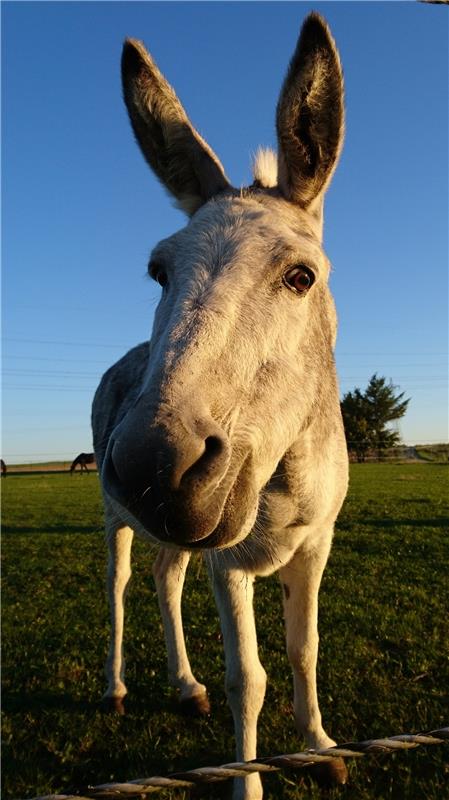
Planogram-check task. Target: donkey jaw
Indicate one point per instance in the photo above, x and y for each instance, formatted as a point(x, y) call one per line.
point(175, 518)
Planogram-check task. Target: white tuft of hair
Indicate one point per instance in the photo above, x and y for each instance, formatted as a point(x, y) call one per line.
point(265, 167)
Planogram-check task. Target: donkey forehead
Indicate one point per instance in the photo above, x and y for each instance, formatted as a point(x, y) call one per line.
point(250, 230)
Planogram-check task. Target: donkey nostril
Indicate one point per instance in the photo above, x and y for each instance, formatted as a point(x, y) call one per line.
point(213, 446)
point(214, 449)
point(212, 461)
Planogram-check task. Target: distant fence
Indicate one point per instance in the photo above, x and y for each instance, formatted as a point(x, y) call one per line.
point(39, 468)
point(437, 454)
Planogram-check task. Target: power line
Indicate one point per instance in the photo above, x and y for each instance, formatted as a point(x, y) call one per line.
point(83, 360)
point(133, 344)
point(27, 431)
point(69, 373)
point(390, 353)
point(400, 378)
point(439, 383)
point(55, 358)
point(65, 344)
point(416, 441)
point(46, 453)
point(60, 373)
point(53, 388)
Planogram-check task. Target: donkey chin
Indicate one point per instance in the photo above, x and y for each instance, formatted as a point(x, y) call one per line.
point(182, 518)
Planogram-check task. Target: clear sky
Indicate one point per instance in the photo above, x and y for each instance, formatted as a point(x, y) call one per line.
point(81, 210)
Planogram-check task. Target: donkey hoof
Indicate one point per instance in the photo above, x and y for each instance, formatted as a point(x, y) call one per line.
point(196, 706)
point(113, 705)
point(332, 773)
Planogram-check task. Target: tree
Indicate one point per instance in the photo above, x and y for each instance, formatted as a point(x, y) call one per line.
point(355, 418)
point(366, 416)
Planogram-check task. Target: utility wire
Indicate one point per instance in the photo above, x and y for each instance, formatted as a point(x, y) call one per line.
point(133, 344)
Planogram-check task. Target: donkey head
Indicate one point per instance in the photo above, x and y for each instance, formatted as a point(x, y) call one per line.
point(241, 349)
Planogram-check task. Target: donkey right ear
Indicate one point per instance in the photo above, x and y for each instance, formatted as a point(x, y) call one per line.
point(181, 159)
point(310, 116)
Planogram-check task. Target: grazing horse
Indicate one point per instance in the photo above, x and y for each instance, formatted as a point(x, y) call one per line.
point(224, 433)
point(82, 460)
point(3, 467)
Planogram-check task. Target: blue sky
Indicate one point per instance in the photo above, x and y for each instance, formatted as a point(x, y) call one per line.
point(81, 210)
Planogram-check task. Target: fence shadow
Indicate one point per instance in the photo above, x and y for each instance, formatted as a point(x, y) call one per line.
point(137, 704)
point(37, 701)
point(436, 522)
point(31, 530)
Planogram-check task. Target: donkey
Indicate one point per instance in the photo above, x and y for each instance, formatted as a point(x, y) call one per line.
point(82, 461)
point(224, 433)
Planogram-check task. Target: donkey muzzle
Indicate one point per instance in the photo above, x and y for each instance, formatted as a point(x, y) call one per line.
point(174, 479)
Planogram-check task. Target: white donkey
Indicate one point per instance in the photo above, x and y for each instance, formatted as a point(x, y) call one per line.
point(224, 433)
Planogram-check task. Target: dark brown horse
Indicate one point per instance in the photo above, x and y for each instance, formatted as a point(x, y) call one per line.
point(83, 460)
point(3, 467)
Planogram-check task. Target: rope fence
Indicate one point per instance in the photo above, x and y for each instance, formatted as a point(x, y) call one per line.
point(194, 777)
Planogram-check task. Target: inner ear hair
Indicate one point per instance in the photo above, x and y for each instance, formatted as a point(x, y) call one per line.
point(175, 151)
point(310, 115)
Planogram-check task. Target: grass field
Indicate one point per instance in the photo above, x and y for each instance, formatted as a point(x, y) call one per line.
point(383, 665)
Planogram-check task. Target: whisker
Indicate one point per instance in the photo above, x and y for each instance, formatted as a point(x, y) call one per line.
point(162, 469)
point(148, 489)
point(166, 529)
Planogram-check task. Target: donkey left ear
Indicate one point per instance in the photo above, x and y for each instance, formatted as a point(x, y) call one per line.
point(310, 116)
point(176, 152)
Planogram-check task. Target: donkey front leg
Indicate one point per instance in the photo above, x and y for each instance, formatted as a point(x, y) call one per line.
point(119, 572)
point(245, 676)
point(301, 579)
point(169, 570)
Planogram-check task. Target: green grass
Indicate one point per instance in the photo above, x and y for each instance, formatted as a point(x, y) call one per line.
point(383, 665)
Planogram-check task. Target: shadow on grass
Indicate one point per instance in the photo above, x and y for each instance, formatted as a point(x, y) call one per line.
point(30, 530)
point(20, 473)
point(134, 705)
point(39, 701)
point(389, 524)
point(437, 522)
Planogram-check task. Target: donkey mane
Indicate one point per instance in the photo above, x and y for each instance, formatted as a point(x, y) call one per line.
point(265, 168)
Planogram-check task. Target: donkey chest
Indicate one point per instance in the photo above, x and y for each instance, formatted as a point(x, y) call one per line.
point(296, 512)
point(286, 521)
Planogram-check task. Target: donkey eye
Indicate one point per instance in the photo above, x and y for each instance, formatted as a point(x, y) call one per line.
point(299, 279)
